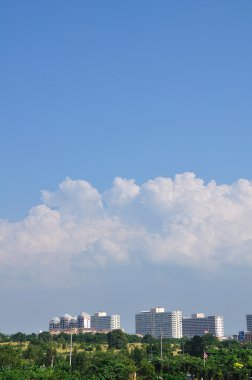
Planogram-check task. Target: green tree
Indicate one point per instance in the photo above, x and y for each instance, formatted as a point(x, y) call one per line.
point(210, 341)
point(195, 346)
point(3, 338)
point(146, 370)
point(35, 353)
point(110, 366)
point(18, 337)
point(80, 362)
point(51, 355)
point(138, 354)
point(149, 339)
point(10, 357)
point(117, 339)
point(45, 336)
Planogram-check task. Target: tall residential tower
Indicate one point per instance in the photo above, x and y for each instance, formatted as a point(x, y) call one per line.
point(158, 322)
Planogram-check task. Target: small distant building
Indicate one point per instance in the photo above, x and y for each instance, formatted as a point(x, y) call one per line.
point(241, 336)
point(248, 337)
point(249, 322)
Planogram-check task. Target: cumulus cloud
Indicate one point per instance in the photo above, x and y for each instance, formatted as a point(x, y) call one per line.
point(182, 221)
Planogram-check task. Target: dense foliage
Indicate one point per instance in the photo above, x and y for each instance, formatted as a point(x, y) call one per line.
point(120, 356)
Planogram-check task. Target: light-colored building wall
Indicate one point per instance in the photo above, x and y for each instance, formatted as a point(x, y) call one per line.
point(158, 322)
point(83, 321)
point(100, 321)
point(216, 325)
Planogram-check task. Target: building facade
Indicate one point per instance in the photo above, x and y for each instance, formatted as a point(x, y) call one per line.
point(249, 322)
point(83, 321)
point(158, 322)
point(100, 321)
point(199, 324)
point(65, 321)
point(143, 324)
point(54, 324)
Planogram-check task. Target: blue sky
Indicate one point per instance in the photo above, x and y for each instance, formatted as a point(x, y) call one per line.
point(94, 90)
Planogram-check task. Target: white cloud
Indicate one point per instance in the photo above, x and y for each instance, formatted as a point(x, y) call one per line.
point(74, 198)
point(180, 220)
point(122, 193)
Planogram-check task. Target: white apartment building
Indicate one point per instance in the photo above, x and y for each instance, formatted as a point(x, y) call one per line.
point(100, 321)
point(199, 324)
point(216, 325)
point(157, 322)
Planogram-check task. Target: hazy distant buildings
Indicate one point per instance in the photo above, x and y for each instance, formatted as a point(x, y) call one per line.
point(84, 322)
point(199, 324)
point(157, 322)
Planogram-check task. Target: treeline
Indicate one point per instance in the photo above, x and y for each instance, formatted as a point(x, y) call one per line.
point(120, 356)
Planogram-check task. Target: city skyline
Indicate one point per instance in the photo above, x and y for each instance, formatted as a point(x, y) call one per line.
point(125, 159)
point(145, 323)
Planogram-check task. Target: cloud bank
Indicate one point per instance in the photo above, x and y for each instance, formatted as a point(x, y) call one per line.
point(165, 221)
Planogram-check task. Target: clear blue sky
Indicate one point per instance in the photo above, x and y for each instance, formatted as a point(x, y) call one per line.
point(95, 89)
point(137, 89)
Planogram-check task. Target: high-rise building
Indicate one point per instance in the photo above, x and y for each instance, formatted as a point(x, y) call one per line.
point(83, 321)
point(54, 324)
point(143, 323)
point(249, 322)
point(159, 322)
point(73, 323)
point(100, 321)
point(65, 321)
point(199, 324)
point(216, 325)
